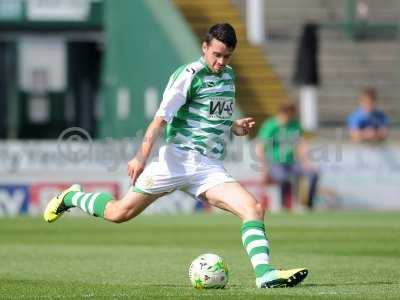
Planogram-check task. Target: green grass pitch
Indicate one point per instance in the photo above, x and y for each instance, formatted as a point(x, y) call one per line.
point(350, 256)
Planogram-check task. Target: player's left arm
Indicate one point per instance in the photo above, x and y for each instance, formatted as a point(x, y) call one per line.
point(242, 126)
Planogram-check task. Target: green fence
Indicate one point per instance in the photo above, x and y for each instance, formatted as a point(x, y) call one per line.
point(146, 40)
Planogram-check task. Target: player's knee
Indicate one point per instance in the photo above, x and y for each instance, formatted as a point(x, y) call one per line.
point(259, 210)
point(255, 211)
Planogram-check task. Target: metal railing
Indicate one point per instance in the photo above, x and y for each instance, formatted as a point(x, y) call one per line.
point(356, 25)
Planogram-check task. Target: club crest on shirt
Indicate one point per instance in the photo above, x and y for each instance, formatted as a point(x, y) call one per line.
point(148, 182)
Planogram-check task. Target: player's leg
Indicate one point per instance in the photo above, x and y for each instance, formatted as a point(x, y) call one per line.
point(131, 205)
point(231, 196)
point(99, 204)
point(155, 181)
point(241, 202)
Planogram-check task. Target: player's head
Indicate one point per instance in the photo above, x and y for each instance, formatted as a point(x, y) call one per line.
point(368, 98)
point(218, 46)
point(287, 112)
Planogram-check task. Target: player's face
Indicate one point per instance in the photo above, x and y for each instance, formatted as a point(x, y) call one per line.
point(216, 54)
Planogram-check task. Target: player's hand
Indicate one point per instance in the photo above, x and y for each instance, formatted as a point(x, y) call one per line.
point(242, 126)
point(135, 168)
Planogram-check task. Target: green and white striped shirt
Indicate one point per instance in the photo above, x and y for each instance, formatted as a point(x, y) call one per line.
point(198, 106)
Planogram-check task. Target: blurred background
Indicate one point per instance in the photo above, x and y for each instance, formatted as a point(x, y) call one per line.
point(81, 79)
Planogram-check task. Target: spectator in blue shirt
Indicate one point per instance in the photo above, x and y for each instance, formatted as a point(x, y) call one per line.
point(367, 123)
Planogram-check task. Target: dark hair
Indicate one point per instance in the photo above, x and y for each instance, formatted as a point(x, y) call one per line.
point(369, 92)
point(224, 33)
point(288, 108)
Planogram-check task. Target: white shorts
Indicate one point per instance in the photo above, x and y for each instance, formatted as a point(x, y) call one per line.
point(188, 171)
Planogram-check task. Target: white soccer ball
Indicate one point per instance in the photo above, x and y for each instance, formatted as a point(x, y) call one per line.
point(208, 271)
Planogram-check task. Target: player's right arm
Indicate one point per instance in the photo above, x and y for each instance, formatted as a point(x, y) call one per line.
point(137, 164)
point(174, 97)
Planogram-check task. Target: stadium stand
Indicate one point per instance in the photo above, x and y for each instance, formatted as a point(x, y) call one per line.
point(260, 91)
point(346, 65)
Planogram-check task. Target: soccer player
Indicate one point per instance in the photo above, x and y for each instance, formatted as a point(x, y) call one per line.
point(196, 108)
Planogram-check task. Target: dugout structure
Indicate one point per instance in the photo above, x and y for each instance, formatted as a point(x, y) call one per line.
point(100, 65)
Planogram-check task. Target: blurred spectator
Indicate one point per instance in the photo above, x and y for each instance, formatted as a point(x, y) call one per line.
point(283, 151)
point(367, 123)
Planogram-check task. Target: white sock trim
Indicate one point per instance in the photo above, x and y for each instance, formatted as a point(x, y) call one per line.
point(260, 259)
point(91, 203)
point(255, 244)
point(250, 232)
point(75, 198)
point(83, 201)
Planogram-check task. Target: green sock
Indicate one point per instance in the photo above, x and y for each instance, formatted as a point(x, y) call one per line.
point(91, 203)
point(256, 245)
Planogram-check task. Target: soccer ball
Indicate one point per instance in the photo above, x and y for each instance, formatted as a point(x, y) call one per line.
point(208, 271)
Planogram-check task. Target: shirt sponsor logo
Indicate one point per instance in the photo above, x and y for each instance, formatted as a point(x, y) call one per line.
point(220, 108)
